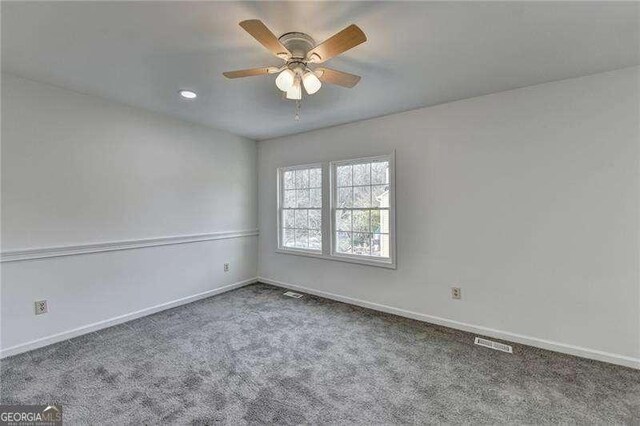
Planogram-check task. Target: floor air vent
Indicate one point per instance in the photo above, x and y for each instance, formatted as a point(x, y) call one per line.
point(293, 294)
point(493, 345)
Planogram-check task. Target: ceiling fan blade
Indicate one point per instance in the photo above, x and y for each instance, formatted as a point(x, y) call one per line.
point(339, 43)
point(260, 32)
point(250, 72)
point(344, 79)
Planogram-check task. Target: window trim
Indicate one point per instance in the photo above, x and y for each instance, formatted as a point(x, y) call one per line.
point(280, 203)
point(333, 187)
point(327, 251)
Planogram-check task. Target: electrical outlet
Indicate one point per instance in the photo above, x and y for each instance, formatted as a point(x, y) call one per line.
point(456, 293)
point(226, 267)
point(41, 307)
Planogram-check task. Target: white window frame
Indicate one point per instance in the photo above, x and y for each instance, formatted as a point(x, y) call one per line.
point(329, 186)
point(279, 219)
point(389, 262)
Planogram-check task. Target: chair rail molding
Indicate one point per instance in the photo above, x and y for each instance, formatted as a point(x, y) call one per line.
point(79, 249)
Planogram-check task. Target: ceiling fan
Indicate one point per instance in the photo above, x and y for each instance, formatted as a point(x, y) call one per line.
point(299, 50)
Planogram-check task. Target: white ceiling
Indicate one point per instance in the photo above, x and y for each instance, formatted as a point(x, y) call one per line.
point(418, 53)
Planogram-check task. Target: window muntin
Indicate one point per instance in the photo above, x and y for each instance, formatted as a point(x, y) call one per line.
point(361, 210)
point(358, 221)
point(300, 215)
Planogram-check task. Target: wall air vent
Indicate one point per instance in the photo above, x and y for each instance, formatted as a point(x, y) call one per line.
point(293, 294)
point(493, 345)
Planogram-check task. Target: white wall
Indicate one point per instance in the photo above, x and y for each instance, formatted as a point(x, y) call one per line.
point(527, 199)
point(77, 169)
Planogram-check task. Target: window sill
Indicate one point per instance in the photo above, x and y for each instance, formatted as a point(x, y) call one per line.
point(339, 258)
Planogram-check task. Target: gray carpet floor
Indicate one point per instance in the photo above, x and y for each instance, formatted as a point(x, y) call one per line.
point(255, 356)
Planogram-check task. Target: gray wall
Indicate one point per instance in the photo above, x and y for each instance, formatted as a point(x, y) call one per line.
point(527, 199)
point(79, 170)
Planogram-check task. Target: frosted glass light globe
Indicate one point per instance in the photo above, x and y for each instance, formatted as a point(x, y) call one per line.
point(285, 80)
point(311, 82)
point(295, 92)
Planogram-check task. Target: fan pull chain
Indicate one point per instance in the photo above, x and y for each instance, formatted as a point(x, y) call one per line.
point(297, 116)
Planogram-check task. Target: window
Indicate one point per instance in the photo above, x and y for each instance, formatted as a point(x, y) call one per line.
point(359, 220)
point(300, 208)
point(361, 209)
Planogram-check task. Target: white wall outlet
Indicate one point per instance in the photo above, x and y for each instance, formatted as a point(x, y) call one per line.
point(226, 267)
point(456, 293)
point(41, 307)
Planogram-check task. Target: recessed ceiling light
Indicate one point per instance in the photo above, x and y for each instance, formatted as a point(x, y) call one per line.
point(188, 94)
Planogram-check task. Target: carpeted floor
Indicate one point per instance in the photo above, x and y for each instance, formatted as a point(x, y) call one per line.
point(255, 356)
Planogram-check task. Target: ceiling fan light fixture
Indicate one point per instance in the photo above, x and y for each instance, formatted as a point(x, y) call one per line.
point(298, 50)
point(285, 80)
point(295, 92)
point(311, 82)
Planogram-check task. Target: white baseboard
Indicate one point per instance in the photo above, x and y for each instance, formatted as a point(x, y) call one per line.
point(65, 335)
point(489, 332)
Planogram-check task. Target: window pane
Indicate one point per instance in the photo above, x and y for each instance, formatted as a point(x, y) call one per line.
point(302, 238)
point(288, 238)
point(362, 174)
point(343, 220)
point(384, 246)
point(380, 195)
point(343, 176)
point(289, 198)
point(302, 178)
point(345, 197)
point(301, 219)
point(362, 216)
point(289, 179)
point(362, 196)
point(384, 221)
point(361, 220)
point(302, 197)
point(375, 221)
point(343, 244)
point(301, 208)
point(315, 197)
point(361, 243)
point(375, 245)
point(315, 178)
point(315, 240)
point(380, 172)
point(315, 219)
point(288, 218)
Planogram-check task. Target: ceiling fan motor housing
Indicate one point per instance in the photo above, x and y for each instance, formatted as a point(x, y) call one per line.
point(299, 44)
